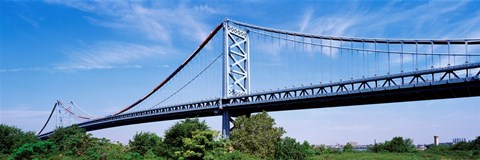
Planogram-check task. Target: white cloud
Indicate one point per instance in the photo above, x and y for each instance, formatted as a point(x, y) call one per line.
point(23, 112)
point(107, 55)
point(156, 21)
point(306, 19)
point(102, 55)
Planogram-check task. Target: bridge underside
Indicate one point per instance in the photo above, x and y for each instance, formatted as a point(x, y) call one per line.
point(454, 90)
point(155, 118)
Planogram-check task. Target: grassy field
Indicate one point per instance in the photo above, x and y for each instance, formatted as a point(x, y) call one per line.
point(388, 156)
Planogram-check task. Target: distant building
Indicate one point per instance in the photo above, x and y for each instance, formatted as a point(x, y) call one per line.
point(354, 144)
point(458, 140)
point(421, 147)
point(435, 140)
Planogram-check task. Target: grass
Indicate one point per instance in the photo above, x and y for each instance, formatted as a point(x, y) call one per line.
point(388, 156)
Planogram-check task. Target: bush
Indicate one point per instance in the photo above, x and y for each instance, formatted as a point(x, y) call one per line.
point(72, 141)
point(462, 146)
point(12, 138)
point(104, 149)
point(237, 155)
point(184, 129)
point(144, 142)
point(37, 150)
point(438, 149)
point(348, 148)
point(397, 144)
point(289, 148)
point(319, 150)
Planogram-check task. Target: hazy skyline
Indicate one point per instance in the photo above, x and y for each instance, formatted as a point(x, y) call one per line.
point(93, 52)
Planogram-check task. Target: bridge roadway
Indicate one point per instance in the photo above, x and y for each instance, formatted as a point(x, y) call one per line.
point(438, 83)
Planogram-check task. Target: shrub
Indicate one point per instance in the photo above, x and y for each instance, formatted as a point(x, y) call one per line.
point(348, 148)
point(397, 144)
point(184, 129)
point(289, 148)
point(37, 150)
point(12, 138)
point(145, 141)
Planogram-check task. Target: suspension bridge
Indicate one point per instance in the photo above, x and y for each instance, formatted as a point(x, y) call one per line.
point(242, 68)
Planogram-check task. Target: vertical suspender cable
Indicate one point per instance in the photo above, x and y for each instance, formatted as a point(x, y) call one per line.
point(352, 59)
point(467, 57)
point(341, 56)
point(323, 66)
point(431, 50)
point(388, 51)
point(376, 59)
point(330, 58)
point(448, 43)
point(416, 55)
point(401, 56)
point(363, 59)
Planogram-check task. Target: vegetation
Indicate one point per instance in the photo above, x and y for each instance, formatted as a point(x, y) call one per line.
point(386, 156)
point(397, 144)
point(203, 145)
point(289, 148)
point(348, 148)
point(184, 129)
point(12, 138)
point(146, 142)
point(254, 137)
point(36, 150)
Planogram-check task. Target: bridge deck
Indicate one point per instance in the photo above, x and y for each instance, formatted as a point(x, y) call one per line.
point(430, 84)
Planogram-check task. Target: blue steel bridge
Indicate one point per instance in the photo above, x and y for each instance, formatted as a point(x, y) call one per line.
point(242, 68)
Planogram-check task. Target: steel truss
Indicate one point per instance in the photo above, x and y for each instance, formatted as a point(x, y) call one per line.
point(431, 77)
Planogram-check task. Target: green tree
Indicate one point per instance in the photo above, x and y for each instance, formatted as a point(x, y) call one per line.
point(400, 145)
point(348, 148)
point(397, 144)
point(462, 146)
point(12, 138)
point(203, 145)
point(104, 149)
point(36, 150)
point(476, 144)
point(289, 148)
point(256, 135)
point(308, 149)
point(184, 129)
point(145, 141)
point(72, 140)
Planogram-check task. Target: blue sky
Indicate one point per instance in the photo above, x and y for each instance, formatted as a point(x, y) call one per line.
point(104, 55)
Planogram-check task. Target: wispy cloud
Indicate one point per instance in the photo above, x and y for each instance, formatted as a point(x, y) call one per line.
point(158, 22)
point(428, 20)
point(103, 55)
point(306, 19)
point(154, 20)
point(23, 112)
point(106, 55)
point(29, 20)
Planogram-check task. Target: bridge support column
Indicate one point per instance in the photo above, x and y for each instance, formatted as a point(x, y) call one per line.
point(226, 124)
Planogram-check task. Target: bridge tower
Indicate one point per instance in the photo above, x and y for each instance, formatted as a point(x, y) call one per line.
point(236, 68)
point(64, 118)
